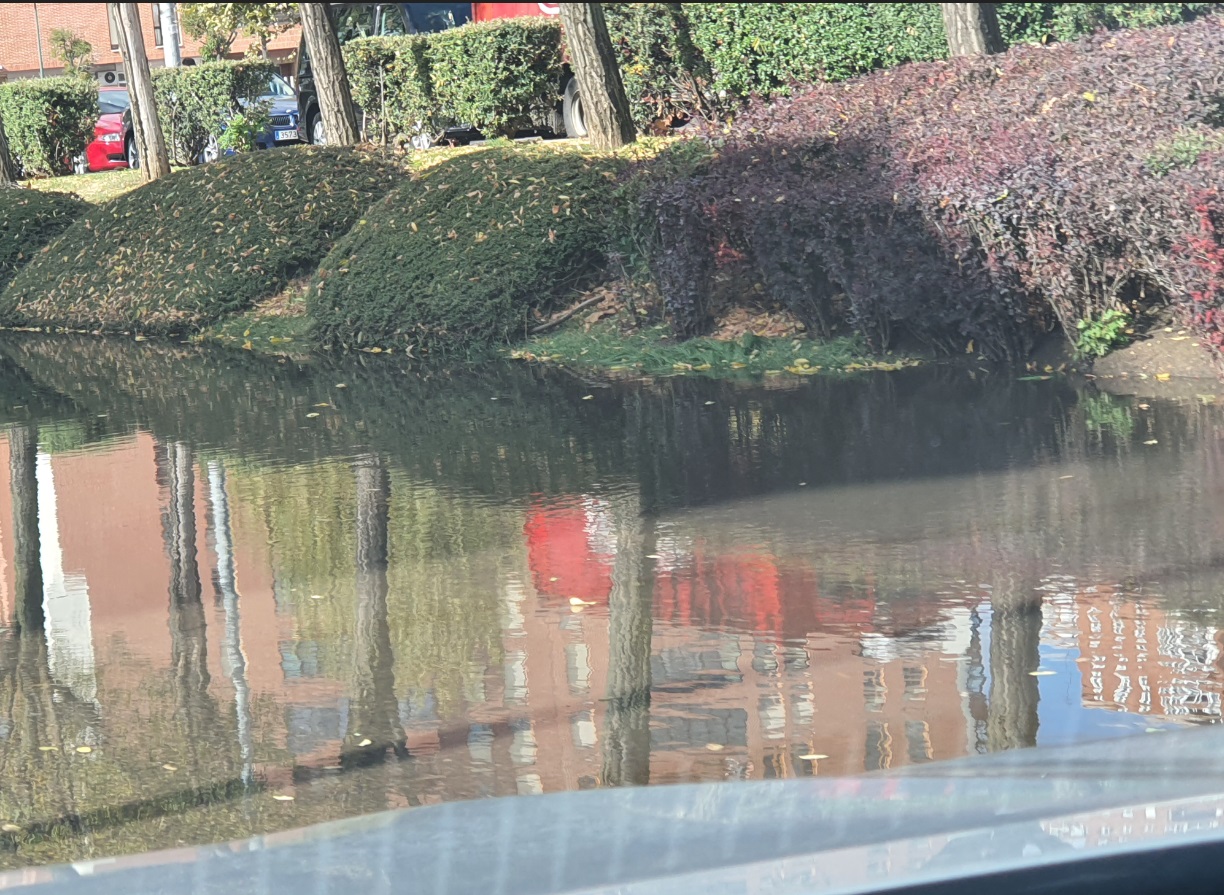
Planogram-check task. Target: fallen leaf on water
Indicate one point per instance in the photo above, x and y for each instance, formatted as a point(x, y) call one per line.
point(709, 403)
point(1061, 477)
point(169, 767)
point(813, 756)
point(1151, 441)
point(281, 797)
point(341, 385)
point(653, 556)
point(1153, 730)
point(366, 742)
point(715, 747)
point(10, 828)
point(578, 601)
point(588, 397)
point(84, 750)
point(1040, 673)
point(324, 404)
point(311, 415)
point(1145, 406)
point(48, 748)
point(1163, 377)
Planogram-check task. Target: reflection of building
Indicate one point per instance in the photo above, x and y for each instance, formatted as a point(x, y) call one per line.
point(1143, 659)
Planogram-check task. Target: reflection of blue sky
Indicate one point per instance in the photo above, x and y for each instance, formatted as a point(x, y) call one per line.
point(1063, 717)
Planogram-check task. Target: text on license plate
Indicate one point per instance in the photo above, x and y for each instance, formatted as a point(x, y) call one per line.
point(286, 135)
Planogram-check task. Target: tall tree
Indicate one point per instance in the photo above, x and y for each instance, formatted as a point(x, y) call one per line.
point(605, 107)
point(170, 34)
point(972, 28)
point(8, 171)
point(27, 559)
point(154, 159)
point(331, 80)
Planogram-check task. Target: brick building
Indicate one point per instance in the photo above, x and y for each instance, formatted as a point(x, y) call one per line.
point(25, 40)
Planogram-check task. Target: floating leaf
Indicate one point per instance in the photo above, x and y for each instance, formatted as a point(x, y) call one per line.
point(281, 797)
point(84, 750)
point(813, 756)
point(715, 747)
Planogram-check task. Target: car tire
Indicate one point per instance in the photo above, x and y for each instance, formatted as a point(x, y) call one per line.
point(132, 153)
point(571, 110)
point(316, 131)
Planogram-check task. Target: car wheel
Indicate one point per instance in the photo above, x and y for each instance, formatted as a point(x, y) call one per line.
point(80, 164)
point(212, 151)
point(133, 154)
point(571, 110)
point(318, 135)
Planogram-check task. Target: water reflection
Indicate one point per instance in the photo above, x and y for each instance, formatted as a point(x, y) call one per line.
point(415, 586)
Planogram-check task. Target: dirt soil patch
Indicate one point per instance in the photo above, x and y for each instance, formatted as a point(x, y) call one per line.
point(1166, 361)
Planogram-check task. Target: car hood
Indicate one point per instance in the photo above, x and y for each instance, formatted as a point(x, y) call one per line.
point(279, 105)
point(926, 826)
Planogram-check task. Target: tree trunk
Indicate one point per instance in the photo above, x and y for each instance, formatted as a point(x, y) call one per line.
point(373, 722)
point(605, 107)
point(170, 34)
point(331, 80)
point(154, 159)
point(27, 558)
point(626, 747)
point(1015, 640)
point(972, 28)
point(8, 171)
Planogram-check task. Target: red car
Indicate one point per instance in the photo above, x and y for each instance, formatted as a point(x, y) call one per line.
point(112, 146)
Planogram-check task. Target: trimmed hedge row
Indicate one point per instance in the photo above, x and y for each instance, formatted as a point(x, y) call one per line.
point(707, 59)
point(188, 248)
point(972, 202)
point(467, 251)
point(499, 76)
point(29, 219)
point(48, 121)
point(196, 102)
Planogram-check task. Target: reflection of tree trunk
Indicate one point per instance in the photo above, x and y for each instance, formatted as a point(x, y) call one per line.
point(1015, 639)
point(374, 715)
point(626, 753)
point(188, 628)
point(234, 661)
point(23, 474)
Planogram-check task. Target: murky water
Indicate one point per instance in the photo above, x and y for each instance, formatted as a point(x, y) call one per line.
point(242, 595)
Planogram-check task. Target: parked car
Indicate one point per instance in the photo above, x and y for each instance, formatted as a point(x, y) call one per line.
point(112, 145)
point(284, 125)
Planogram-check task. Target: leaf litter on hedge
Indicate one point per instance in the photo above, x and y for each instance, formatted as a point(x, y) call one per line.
point(201, 243)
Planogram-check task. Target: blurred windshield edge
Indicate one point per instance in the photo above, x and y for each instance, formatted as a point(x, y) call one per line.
point(1025, 818)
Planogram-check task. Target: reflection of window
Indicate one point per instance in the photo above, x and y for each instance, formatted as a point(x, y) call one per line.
point(874, 690)
point(157, 29)
point(355, 21)
point(391, 21)
point(878, 754)
point(915, 682)
point(918, 741)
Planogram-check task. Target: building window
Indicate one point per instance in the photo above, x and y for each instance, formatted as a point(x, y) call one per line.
point(157, 29)
point(114, 27)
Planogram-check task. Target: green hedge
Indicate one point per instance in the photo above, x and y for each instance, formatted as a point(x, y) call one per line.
point(29, 219)
point(195, 103)
point(499, 76)
point(48, 121)
point(1044, 22)
point(467, 251)
point(182, 251)
point(390, 81)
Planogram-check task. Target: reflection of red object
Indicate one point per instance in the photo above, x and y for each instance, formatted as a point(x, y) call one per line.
point(754, 592)
point(559, 546)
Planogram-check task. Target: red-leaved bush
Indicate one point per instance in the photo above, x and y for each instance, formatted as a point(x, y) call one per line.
point(983, 199)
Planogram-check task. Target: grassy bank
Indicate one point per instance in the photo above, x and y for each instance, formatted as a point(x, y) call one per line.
point(609, 347)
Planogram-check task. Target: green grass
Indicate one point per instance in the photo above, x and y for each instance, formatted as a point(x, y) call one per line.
point(93, 188)
point(652, 351)
point(28, 221)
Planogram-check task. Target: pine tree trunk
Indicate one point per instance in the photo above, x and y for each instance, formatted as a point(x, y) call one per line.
point(605, 107)
point(170, 34)
point(972, 28)
point(154, 159)
point(331, 80)
point(8, 170)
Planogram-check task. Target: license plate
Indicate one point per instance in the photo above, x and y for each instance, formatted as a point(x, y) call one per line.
point(286, 135)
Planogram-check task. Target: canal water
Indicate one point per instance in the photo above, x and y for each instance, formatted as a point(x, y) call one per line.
point(241, 594)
